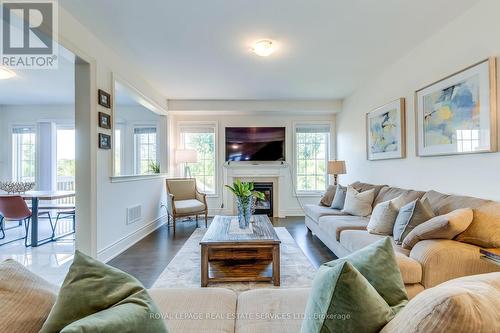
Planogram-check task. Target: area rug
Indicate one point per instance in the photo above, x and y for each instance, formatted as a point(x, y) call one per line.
point(184, 270)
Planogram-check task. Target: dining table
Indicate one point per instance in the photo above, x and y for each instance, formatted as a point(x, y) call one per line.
point(35, 197)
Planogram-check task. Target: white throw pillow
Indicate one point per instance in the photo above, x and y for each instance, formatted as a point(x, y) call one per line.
point(383, 217)
point(358, 204)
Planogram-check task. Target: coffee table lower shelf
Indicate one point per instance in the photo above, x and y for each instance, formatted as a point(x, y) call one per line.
point(240, 263)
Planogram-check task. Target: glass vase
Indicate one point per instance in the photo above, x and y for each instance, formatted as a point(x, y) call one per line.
point(245, 205)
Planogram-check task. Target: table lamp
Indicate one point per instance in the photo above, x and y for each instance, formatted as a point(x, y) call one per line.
point(336, 168)
point(186, 156)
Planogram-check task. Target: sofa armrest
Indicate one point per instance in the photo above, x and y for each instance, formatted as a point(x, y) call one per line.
point(202, 197)
point(443, 260)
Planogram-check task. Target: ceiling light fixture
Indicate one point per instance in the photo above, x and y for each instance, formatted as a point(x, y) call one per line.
point(264, 47)
point(6, 73)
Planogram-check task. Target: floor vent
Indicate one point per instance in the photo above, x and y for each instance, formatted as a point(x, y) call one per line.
point(134, 214)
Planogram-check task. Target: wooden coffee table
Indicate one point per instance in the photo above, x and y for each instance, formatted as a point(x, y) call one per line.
point(240, 257)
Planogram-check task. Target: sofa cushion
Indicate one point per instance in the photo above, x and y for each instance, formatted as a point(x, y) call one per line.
point(358, 203)
point(410, 216)
point(271, 310)
point(362, 187)
point(25, 299)
point(326, 199)
point(344, 300)
point(388, 193)
point(189, 310)
point(440, 227)
point(339, 199)
point(484, 230)
point(188, 206)
point(353, 240)
point(316, 211)
point(334, 225)
point(468, 304)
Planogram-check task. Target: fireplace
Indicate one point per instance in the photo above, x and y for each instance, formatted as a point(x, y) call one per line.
point(264, 206)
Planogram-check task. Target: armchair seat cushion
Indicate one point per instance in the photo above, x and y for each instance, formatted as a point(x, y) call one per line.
point(188, 206)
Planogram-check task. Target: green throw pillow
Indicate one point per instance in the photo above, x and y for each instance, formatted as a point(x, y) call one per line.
point(377, 262)
point(342, 300)
point(98, 298)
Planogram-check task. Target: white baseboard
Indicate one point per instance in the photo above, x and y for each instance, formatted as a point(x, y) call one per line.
point(291, 212)
point(114, 249)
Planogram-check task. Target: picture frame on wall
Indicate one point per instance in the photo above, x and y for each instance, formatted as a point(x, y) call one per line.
point(104, 141)
point(104, 99)
point(386, 131)
point(458, 114)
point(104, 120)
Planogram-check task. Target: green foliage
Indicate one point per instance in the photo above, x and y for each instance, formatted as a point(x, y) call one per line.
point(245, 190)
point(66, 168)
point(154, 167)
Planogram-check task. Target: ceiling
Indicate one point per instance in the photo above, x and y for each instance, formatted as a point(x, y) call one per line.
point(42, 86)
point(193, 49)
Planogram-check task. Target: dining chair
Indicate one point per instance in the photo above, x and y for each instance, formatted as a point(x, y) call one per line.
point(14, 208)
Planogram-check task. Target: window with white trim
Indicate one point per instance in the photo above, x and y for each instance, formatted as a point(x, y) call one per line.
point(312, 146)
point(24, 153)
point(145, 148)
point(201, 139)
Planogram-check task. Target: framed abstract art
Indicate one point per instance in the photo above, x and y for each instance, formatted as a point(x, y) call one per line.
point(386, 131)
point(457, 115)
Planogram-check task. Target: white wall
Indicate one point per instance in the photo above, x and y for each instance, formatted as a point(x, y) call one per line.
point(12, 115)
point(470, 38)
point(111, 234)
point(289, 205)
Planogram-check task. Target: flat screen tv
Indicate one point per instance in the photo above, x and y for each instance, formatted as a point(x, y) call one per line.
point(255, 143)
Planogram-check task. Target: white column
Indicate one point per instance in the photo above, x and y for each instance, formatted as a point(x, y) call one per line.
point(46, 153)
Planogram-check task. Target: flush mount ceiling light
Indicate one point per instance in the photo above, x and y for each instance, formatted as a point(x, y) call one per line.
point(264, 47)
point(6, 73)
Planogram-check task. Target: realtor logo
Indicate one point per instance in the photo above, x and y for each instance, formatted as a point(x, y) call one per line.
point(29, 34)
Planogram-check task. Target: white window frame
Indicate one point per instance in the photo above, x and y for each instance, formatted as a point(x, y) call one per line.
point(15, 165)
point(201, 125)
point(329, 150)
point(137, 160)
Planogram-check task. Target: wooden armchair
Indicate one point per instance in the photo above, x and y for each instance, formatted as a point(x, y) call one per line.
point(185, 200)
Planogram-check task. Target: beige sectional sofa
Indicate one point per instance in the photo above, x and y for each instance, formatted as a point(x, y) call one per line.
point(429, 262)
point(468, 304)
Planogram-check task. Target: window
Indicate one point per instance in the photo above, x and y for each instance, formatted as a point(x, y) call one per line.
point(24, 154)
point(145, 149)
point(118, 151)
point(311, 157)
point(201, 139)
point(66, 162)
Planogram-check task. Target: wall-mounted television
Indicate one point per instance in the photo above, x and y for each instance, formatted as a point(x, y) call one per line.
point(255, 143)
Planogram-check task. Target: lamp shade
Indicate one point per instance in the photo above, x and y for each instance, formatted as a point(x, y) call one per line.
point(186, 156)
point(336, 168)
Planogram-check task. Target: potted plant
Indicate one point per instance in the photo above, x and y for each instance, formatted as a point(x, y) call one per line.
point(155, 167)
point(245, 200)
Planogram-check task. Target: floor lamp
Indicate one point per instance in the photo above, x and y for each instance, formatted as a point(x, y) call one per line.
point(336, 168)
point(186, 156)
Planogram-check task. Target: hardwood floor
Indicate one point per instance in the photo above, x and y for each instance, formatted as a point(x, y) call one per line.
point(149, 257)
